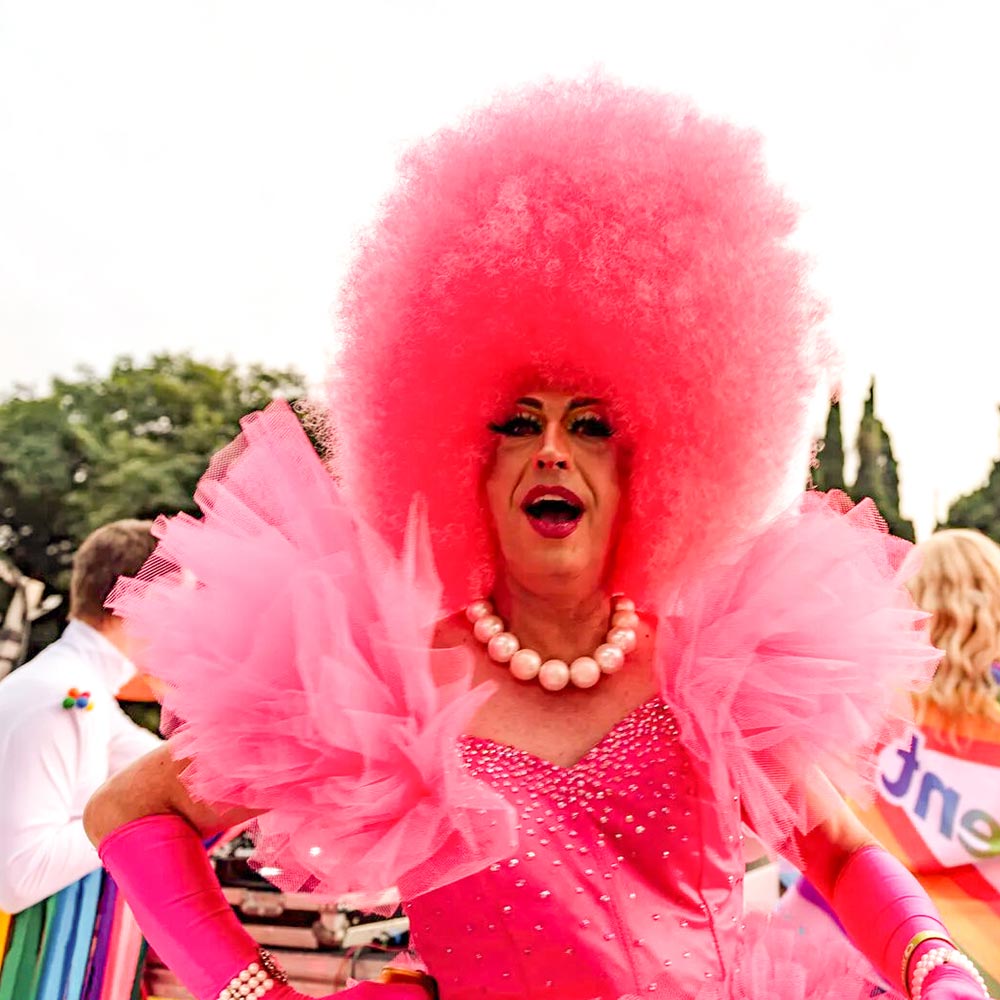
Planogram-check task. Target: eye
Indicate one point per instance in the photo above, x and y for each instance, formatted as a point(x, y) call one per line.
point(591, 425)
point(519, 425)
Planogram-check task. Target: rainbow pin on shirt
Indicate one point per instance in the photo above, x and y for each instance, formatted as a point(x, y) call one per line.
point(76, 698)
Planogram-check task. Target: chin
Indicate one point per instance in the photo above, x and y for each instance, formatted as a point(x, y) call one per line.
point(557, 570)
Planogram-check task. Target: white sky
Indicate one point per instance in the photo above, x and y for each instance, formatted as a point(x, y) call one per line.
point(189, 175)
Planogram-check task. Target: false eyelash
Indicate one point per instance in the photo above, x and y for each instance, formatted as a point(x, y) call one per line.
point(599, 427)
point(522, 421)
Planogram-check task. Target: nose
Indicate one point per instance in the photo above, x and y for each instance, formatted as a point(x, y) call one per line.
point(553, 448)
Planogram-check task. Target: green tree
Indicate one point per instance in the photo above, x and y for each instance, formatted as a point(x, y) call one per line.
point(979, 509)
point(828, 468)
point(878, 475)
point(132, 443)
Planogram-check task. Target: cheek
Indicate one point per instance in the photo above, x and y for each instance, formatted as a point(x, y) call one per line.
point(607, 485)
point(500, 483)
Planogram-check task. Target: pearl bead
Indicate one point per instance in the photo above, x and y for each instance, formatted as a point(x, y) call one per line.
point(525, 664)
point(609, 658)
point(486, 627)
point(625, 619)
point(502, 646)
point(584, 672)
point(477, 610)
point(624, 638)
point(245, 975)
point(553, 675)
point(253, 968)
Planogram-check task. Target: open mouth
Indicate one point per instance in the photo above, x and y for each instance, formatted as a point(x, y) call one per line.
point(553, 511)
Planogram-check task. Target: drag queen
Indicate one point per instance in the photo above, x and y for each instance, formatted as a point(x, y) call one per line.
point(546, 638)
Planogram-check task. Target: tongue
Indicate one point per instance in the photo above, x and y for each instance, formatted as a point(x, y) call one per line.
point(556, 516)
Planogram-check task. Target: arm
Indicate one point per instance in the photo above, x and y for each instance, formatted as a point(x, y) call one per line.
point(883, 908)
point(149, 834)
point(152, 786)
point(43, 846)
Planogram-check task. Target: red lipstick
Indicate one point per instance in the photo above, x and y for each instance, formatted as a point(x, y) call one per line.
point(553, 511)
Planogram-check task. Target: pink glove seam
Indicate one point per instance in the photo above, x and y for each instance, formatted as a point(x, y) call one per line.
point(882, 906)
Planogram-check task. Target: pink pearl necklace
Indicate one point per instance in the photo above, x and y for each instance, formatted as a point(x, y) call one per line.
point(526, 664)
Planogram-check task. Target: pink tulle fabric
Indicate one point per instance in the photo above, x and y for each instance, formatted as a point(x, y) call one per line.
point(297, 657)
point(797, 659)
point(776, 963)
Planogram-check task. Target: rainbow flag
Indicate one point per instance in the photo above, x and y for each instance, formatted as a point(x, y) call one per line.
point(938, 810)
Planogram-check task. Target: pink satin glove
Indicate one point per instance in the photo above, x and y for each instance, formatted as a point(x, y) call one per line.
point(383, 991)
point(881, 907)
point(947, 982)
point(363, 991)
point(162, 869)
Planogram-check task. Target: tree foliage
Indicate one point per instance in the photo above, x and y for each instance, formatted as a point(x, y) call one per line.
point(878, 473)
point(979, 509)
point(828, 468)
point(132, 443)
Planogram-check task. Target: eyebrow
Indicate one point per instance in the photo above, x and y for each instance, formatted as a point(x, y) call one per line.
point(574, 404)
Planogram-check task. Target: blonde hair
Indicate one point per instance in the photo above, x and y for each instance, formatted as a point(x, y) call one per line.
point(114, 550)
point(958, 583)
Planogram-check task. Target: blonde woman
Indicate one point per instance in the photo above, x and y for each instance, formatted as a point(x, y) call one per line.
point(958, 583)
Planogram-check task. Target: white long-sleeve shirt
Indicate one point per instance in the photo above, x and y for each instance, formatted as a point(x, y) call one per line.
point(52, 759)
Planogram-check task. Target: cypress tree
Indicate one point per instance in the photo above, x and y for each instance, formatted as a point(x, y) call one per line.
point(828, 468)
point(878, 474)
point(979, 509)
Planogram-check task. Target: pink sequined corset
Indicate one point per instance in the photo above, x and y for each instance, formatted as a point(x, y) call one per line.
point(626, 880)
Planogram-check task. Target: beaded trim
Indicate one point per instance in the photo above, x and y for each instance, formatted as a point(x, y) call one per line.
point(943, 956)
point(918, 939)
point(256, 980)
point(526, 664)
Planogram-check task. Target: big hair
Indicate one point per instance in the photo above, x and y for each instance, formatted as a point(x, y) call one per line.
point(958, 583)
point(582, 237)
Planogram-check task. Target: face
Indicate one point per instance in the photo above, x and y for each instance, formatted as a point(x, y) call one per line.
point(554, 490)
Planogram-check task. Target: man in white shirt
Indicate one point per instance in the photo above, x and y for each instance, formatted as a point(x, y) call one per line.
point(62, 733)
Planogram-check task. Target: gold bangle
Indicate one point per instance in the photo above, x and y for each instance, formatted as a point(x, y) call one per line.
point(393, 975)
point(918, 939)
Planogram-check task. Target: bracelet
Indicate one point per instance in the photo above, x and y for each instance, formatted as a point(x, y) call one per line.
point(943, 956)
point(257, 979)
point(918, 939)
point(414, 976)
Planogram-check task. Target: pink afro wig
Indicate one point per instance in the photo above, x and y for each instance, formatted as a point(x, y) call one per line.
point(592, 238)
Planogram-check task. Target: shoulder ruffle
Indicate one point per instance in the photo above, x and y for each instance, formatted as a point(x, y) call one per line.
point(799, 657)
point(296, 653)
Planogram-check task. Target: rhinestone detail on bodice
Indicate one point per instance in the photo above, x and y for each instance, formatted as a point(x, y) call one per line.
point(626, 878)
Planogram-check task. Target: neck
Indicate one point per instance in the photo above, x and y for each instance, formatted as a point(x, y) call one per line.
point(110, 628)
point(564, 626)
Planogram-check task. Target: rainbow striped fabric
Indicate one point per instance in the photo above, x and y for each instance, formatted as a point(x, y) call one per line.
point(938, 810)
point(80, 944)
